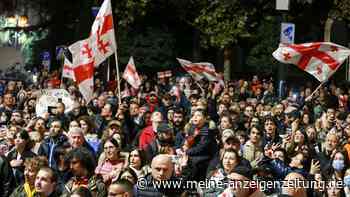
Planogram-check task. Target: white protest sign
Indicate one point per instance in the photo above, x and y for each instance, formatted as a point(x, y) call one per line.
point(50, 98)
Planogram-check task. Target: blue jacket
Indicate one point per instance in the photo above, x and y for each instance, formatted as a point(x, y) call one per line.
point(281, 170)
point(49, 146)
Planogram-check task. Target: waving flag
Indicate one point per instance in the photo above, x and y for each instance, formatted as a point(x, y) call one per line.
point(102, 34)
point(91, 52)
point(126, 91)
point(83, 67)
point(131, 75)
point(68, 71)
point(200, 70)
point(320, 59)
point(164, 74)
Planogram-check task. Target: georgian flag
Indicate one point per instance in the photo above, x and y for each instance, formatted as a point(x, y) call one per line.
point(320, 59)
point(200, 70)
point(164, 74)
point(83, 67)
point(68, 71)
point(91, 52)
point(102, 34)
point(130, 74)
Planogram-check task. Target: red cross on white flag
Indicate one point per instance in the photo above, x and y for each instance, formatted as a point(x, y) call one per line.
point(91, 52)
point(320, 59)
point(130, 74)
point(83, 67)
point(68, 71)
point(102, 34)
point(200, 70)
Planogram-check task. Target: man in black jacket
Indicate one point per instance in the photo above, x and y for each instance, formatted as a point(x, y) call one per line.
point(161, 181)
point(6, 181)
point(163, 143)
point(271, 134)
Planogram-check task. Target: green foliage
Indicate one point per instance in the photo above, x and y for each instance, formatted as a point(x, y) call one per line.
point(153, 47)
point(32, 46)
point(340, 10)
point(223, 23)
point(30, 43)
point(260, 56)
point(127, 11)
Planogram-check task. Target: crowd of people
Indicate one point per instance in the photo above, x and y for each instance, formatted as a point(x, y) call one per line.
point(174, 129)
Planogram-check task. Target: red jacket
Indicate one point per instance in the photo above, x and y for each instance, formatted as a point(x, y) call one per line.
point(146, 137)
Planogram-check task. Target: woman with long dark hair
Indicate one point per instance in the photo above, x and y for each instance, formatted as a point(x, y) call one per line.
point(21, 151)
point(89, 130)
point(138, 162)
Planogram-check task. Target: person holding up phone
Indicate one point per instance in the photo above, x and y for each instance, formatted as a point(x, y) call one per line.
point(57, 112)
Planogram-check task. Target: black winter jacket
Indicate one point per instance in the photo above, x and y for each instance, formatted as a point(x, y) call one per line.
point(205, 144)
point(7, 179)
point(150, 189)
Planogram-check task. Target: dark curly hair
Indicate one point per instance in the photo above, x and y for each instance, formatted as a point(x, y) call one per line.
point(85, 158)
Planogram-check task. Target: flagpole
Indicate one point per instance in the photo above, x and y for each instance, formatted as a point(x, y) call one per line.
point(118, 78)
point(200, 87)
point(346, 68)
point(116, 60)
point(108, 69)
point(62, 66)
point(318, 87)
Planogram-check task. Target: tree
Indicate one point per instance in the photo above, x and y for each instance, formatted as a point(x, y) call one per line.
point(223, 23)
point(128, 11)
point(151, 48)
point(340, 10)
point(266, 41)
